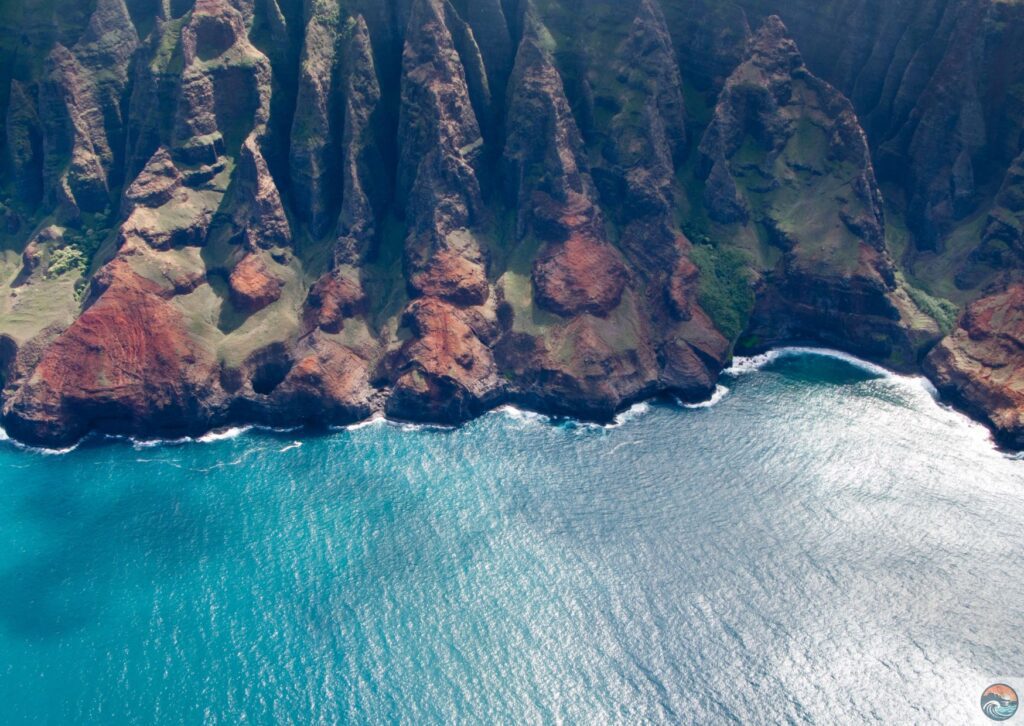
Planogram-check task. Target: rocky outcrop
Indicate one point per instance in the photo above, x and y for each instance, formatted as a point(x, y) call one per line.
point(336, 297)
point(981, 365)
point(24, 145)
point(441, 144)
point(446, 371)
point(578, 271)
point(147, 374)
point(328, 384)
point(929, 81)
point(224, 91)
point(785, 151)
point(646, 141)
point(314, 143)
point(80, 106)
point(161, 211)
point(609, 343)
point(253, 286)
point(364, 179)
point(579, 276)
point(157, 184)
point(259, 213)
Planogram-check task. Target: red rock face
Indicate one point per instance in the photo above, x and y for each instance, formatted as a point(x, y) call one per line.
point(682, 291)
point(126, 364)
point(448, 372)
point(581, 275)
point(981, 364)
point(452, 277)
point(253, 286)
point(334, 298)
point(329, 383)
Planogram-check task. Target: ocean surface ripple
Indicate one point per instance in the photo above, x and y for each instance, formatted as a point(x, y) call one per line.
point(822, 542)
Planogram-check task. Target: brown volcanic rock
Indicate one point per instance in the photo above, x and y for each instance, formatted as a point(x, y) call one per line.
point(543, 150)
point(577, 319)
point(581, 275)
point(126, 365)
point(441, 144)
point(605, 351)
point(981, 365)
point(578, 272)
point(24, 145)
point(647, 66)
point(253, 286)
point(452, 276)
point(363, 177)
point(259, 212)
point(445, 372)
point(448, 374)
point(587, 367)
point(328, 383)
point(72, 122)
point(313, 162)
point(80, 107)
point(682, 288)
point(162, 212)
point(157, 184)
point(224, 93)
point(335, 297)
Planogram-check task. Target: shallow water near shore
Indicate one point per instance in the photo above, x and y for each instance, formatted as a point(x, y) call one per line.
point(824, 542)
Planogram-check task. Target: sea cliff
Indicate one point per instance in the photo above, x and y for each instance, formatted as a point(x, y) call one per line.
point(284, 212)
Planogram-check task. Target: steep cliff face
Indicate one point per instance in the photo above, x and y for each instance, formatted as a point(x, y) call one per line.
point(785, 152)
point(981, 365)
point(80, 107)
point(285, 211)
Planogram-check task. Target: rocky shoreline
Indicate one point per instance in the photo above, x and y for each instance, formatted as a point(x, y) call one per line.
point(203, 432)
point(288, 213)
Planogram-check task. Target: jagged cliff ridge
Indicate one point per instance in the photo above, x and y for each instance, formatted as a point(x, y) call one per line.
point(304, 212)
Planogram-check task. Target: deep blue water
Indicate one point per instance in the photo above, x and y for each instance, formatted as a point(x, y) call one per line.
point(823, 544)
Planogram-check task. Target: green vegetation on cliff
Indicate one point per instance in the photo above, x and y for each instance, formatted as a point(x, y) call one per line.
point(725, 291)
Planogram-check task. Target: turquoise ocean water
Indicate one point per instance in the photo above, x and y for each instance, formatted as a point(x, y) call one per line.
point(825, 543)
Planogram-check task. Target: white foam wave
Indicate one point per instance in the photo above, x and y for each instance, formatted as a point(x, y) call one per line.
point(45, 451)
point(522, 415)
point(376, 420)
point(749, 364)
point(742, 364)
point(223, 434)
point(622, 418)
point(292, 445)
point(409, 426)
point(209, 437)
point(634, 411)
point(929, 387)
point(720, 393)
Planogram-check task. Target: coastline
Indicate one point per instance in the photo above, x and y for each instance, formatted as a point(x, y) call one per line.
point(740, 365)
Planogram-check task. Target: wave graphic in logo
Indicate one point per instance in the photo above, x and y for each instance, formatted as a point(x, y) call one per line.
point(999, 702)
